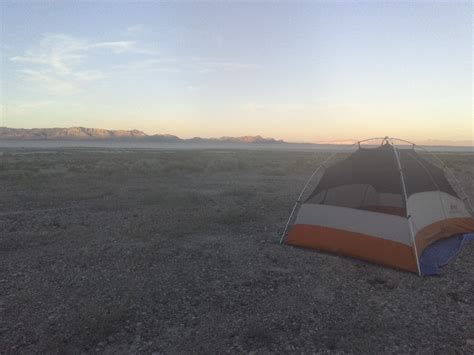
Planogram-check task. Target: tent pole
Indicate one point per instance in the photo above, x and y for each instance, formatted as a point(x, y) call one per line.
point(322, 165)
point(410, 225)
point(298, 201)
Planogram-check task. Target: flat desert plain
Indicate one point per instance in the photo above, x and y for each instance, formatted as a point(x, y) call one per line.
point(142, 251)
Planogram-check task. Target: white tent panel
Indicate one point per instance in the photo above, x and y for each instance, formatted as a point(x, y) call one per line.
point(375, 224)
point(429, 207)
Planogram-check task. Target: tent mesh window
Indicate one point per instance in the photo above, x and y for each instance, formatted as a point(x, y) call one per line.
point(420, 175)
point(370, 180)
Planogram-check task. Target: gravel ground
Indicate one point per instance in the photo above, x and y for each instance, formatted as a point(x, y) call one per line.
point(129, 251)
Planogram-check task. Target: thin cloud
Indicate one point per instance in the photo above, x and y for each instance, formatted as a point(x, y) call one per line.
point(62, 52)
point(117, 46)
point(63, 64)
point(57, 62)
point(134, 30)
point(205, 66)
point(27, 107)
point(150, 65)
point(50, 82)
point(273, 108)
point(175, 65)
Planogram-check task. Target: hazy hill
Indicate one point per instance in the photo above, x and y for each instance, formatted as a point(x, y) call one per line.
point(83, 133)
point(67, 133)
point(251, 139)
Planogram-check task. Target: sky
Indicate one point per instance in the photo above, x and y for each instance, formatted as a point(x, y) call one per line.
point(298, 71)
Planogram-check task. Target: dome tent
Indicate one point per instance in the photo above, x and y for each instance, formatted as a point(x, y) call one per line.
point(385, 204)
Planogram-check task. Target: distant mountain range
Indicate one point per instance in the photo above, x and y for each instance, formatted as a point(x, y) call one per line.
point(83, 133)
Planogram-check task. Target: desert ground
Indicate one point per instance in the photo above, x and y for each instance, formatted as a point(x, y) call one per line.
point(142, 251)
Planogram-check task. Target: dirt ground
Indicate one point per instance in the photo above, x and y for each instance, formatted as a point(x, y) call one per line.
point(139, 251)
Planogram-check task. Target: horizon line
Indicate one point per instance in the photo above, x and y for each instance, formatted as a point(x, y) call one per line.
point(428, 142)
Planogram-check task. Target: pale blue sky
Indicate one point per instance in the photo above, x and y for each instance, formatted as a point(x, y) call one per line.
point(307, 71)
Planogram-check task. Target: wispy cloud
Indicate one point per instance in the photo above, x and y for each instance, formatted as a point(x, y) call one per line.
point(57, 62)
point(31, 105)
point(63, 64)
point(193, 89)
point(205, 66)
point(62, 52)
point(135, 30)
point(273, 108)
point(117, 46)
point(150, 65)
point(48, 80)
point(185, 66)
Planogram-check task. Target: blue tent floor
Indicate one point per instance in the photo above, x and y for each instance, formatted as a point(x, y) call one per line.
point(440, 253)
